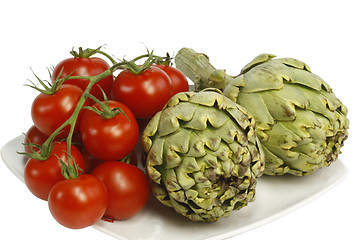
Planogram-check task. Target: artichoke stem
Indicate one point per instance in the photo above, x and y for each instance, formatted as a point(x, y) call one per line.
point(197, 68)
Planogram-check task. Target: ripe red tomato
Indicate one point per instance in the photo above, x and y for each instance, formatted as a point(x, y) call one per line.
point(49, 112)
point(146, 93)
point(178, 79)
point(41, 176)
point(33, 135)
point(85, 67)
point(127, 186)
point(78, 203)
point(109, 139)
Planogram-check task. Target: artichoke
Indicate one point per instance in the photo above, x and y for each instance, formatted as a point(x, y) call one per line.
point(203, 155)
point(299, 121)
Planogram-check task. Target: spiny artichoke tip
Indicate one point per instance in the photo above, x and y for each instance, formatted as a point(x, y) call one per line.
point(299, 121)
point(202, 155)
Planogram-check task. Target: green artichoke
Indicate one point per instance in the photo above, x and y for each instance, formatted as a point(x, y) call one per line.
point(203, 155)
point(299, 121)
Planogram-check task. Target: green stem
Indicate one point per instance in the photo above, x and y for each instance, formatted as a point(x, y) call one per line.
point(197, 67)
point(113, 61)
point(72, 119)
point(74, 116)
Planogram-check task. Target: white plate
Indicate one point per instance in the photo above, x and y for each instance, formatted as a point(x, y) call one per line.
point(275, 197)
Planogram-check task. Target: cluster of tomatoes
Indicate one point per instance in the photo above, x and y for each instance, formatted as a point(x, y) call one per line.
point(92, 180)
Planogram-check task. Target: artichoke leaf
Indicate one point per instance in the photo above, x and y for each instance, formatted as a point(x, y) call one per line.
point(264, 121)
point(261, 58)
point(255, 80)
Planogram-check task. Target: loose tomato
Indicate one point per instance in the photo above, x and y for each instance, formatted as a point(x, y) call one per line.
point(41, 176)
point(33, 135)
point(78, 203)
point(127, 186)
point(49, 112)
point(83, 66)
point(109, 139)
point(178, 79)
point(146, 93)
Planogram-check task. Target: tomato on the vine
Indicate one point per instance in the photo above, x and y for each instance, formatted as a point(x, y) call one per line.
point(78, 203)
point(50, 111)
point(127, 186)
point(145, 93)
point(109, 139)
point(178, 79)
point(85, 66)
point(41, 175)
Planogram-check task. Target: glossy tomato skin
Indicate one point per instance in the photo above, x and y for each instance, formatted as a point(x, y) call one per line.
point(178, 79)
point(85, 67)
point(146, 93)
point(127, 186)
point(33, 135)
point(49, 112)
point(109, 139)
point(78, 203)
point(41, 176)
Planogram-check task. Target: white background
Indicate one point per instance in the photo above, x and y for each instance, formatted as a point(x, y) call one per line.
point(323, 34)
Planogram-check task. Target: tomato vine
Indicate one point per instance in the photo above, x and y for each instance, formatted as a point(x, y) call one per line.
point(124, 64)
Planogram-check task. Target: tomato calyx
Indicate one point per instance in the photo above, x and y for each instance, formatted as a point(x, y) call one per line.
point(105, 111)
point(136, 69)
point(48, 87)
point(167, 61)
point(71, 170)
point(87, 53)
point(44, 150)
point(151, 59)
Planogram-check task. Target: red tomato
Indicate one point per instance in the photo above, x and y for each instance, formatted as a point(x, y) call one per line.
point(146, 93)
point(49, 112)
point(127, 186)
point(78, 203)
point(33, 135)
point(109, 139)
point(178, 79)
point(85, 67)
point(41, 176)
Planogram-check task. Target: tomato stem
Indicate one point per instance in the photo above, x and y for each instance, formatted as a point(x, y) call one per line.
point(113, 61)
